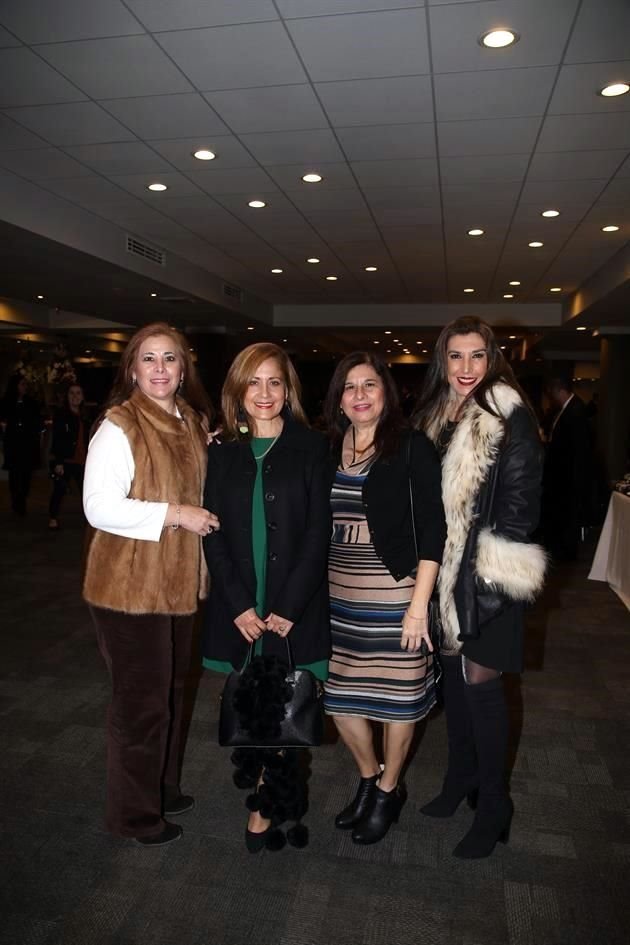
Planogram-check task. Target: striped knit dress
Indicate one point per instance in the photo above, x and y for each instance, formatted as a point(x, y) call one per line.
point(369, 674)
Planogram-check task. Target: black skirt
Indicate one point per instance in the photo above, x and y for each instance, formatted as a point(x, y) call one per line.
point(500, 642)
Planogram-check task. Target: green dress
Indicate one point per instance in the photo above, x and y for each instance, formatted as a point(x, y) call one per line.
point(260, 446)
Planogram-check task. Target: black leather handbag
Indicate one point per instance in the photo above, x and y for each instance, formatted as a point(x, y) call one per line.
point(271, 704)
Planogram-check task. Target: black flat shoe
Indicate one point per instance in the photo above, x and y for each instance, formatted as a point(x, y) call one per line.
point(255, 842)
point(490, 826)
point(383, 812)
point(356, 809)
point(168, 833)
point(178, 805)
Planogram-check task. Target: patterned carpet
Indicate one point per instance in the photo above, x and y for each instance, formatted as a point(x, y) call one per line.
point(562, 880)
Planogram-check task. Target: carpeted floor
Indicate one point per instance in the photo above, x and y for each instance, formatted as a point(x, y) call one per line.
point(562, 880)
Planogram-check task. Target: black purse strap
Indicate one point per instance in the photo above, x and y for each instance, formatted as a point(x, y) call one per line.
point(250, 654)
point(413, 514)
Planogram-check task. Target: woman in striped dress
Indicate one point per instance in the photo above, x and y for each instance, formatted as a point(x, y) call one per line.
point(387, 540)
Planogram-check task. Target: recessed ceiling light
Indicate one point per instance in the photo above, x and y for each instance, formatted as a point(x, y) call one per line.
point(157, 187)
point(616, 88)
point(285, 340)
point(475, 232)
point(418, 342)
point(204, 155)
point(515, 282)
point(371, 268)
point(40, 296)
point(376, 342)
point(277, 271)
point(556, 288)
point(256, 204)
point(312, 178)
point(331, 278)
point(154, 295)
point(498, 39)
point(312, 259)
point(469, 290)
point(424, 351)
point(581, 328)
point(502, 347)
point(250, 327)
point(512, 337)
point(508, 295)
point(395, 340)
point(610, 229)
point(550, 213)
point(388, 332)
point(535, 244)
point(314, 350)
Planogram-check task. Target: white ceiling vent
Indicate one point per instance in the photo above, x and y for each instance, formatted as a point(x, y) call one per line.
point(137, 248)
point(233, 292)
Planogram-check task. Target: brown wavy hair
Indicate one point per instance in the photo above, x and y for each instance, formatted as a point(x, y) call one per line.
point(242, 369)
point(191, 389)
point(437, 390)
point(391, 422)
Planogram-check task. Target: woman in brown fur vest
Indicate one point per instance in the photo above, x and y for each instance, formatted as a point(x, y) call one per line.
point(145, 572)
point(477, 415)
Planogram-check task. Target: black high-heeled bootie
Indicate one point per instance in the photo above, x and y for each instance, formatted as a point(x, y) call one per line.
point(352, 814)
point(462, 778)
point(382, 813)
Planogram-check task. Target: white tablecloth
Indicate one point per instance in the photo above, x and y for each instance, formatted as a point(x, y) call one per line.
point(612, 557)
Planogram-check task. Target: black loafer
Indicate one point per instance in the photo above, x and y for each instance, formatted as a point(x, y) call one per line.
point(168, 833)
point(178, 805)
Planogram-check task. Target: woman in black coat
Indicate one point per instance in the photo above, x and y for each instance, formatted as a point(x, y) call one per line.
point(21, 420)
point(268, 483)
point(68, 450)
point(477, 415)
point(386, 545)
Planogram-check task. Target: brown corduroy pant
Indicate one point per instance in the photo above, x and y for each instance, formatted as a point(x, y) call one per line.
point(148, 658)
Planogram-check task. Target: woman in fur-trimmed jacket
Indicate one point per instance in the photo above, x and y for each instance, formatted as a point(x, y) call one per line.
point(475, 412)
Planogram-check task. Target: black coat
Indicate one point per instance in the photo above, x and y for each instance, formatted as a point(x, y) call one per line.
point(22, 435)
point(65, 435)
point(296, 492)
point(387, 505)
point(568, 466)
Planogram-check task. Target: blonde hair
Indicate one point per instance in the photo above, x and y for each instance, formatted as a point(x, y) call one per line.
point(242, 369)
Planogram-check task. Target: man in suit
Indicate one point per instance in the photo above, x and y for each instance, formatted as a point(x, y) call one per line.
point(567, 481)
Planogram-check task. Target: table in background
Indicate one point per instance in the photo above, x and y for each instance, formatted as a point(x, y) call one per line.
point(612, 557)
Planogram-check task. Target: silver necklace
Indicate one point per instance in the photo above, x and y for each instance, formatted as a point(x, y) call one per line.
point(271, 445)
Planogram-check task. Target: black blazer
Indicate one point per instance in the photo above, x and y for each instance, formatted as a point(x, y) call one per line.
point(297, 509)
point(387, 505)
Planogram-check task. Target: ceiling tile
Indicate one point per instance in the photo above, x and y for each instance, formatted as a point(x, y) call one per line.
point(422, 171)
point(13, 136)
point(363, 45)
point(601, 32)
point(117, 68)
point(388, 141)
point(561, 193)
point(624, 170)
point(408, 216)
point(26, 80)
point(159, 15)
point(543, 27)
point(166, 116)
point(275, 108)
point(468, 194)
point(137, 184)
point(37, 22)
point(494, 93)
point(92, 192)
point(487, 137)
point(577, 87)
point(336, 176)
point(72, 123)
point(131, 157)
point(564, 133)
point(574, 165)
point(6, 39)
point(291, 147)
point(402, 198)
point(485, 167)
point(312, 199)
point(250, 181)
point(228, 149)
point(42, 164)
point(377, 101)
point(291, 9)
point(232, 57)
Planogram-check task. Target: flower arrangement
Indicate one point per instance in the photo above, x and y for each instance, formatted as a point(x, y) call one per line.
point(60, 371)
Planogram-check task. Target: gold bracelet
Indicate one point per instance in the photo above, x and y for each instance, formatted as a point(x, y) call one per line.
point(178, 512)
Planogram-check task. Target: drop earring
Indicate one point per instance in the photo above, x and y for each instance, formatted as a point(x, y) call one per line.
point(242, 422)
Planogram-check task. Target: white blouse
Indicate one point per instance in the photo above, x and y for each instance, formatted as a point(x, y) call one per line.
point(109, 472)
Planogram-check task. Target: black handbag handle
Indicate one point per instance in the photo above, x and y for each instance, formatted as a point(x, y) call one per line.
point(250, 653)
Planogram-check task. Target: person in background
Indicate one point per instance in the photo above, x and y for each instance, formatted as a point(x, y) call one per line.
point(386, 547)
point(473, 409)
point(268, 483)
point(568, 472)
point(145, 572)
point(21, 421)
point(68, 449)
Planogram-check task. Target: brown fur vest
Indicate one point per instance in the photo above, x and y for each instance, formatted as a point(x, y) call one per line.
point(154, 577)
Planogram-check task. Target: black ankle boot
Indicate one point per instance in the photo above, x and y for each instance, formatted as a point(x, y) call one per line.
point(352, 814)
point(490, 826)
point(450, 797)
point(382, 813)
